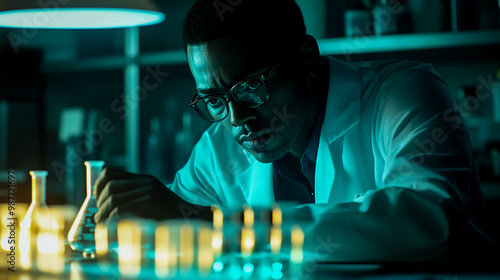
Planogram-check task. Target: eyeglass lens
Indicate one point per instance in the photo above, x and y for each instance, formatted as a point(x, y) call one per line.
point(250, 94)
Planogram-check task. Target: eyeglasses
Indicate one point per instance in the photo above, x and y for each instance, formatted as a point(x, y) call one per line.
point(250, 93)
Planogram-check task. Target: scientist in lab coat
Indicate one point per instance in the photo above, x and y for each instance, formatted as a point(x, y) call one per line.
point(374, 153)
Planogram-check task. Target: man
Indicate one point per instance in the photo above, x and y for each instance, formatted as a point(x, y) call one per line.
point(380, 165)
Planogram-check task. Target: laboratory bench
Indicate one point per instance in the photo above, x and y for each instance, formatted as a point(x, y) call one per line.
point(178, 259)
point(78, 268)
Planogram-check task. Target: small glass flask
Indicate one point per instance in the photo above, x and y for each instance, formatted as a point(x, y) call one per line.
point(81, 235)
point(28, 235)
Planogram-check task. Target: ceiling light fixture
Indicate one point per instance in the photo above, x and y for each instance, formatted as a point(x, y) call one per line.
point(78, 14)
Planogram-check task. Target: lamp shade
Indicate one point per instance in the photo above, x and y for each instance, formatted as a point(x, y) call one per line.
point(78, 14)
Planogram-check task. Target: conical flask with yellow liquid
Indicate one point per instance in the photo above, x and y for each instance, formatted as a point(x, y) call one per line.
point(28, 235)
point(81, 235)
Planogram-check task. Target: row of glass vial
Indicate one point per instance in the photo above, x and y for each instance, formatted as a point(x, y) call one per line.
point(233, 249)
point(139, 248)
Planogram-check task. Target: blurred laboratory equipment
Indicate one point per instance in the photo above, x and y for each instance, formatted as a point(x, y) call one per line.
point(82, 137)
point(427, 16)
point(357, 19)
point(184, 142)
point(495, 160)
point(482, 101)
point(29, 229)
point(496, 96)
point(473, 105)
point(159, 149)
point(385, 18)
point(81, 235)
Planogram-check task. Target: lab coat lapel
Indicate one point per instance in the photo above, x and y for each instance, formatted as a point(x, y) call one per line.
point(260, 190)
point(325, 172)
point(342, 113)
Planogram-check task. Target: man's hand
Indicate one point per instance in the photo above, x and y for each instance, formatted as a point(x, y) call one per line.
point(120, 193)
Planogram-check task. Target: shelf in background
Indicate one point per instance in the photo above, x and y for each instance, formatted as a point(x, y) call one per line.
point(164, 58)
point(330, 46)
point(169, 57)
point(87, 64)
point(408, 42)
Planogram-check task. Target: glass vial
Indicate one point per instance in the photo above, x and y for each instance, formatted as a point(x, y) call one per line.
point(81, 235)
point(357, 19)
point(28, 235)
point(184, 142)
point(385, 19)
point(496, 96)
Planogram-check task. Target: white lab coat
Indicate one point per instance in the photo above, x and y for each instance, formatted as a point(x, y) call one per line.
point(394, 174)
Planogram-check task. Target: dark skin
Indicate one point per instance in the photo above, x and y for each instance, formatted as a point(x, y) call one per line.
point(299, 81)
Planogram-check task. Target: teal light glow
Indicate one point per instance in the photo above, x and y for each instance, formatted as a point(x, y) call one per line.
point(235, 272)
point(277, 266)
point(79, 18)
point(218, 266)
point(248, 268)
point(277, 274)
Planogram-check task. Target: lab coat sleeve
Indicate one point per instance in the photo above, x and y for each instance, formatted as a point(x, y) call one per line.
point(215, 161)
point(192, 182)
point(422, 202)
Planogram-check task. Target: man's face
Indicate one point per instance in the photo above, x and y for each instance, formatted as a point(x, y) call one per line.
point(270, 130)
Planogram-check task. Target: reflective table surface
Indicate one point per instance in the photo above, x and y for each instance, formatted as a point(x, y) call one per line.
point(78, 268)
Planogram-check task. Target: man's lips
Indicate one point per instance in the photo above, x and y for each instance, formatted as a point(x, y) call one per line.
point(255, 140)
point(253, 135)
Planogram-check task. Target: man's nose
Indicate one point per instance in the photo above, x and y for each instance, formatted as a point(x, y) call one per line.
point(239, 114)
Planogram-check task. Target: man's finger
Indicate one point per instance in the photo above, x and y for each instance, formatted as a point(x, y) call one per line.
point(121, 186)
point(109, 174)
point(134, 207)
point(118, 200)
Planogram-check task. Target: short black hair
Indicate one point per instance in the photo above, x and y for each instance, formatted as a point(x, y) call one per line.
point(272, 20)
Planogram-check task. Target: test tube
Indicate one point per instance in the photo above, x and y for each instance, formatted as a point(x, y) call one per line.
point(296, 253)
point(205, 252)
point(129, 248)
point(186, 248)
point(164, 255)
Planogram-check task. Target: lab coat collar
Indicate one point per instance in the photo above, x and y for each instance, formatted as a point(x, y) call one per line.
point(260, 192)
point(344, 97)
point(342, 113)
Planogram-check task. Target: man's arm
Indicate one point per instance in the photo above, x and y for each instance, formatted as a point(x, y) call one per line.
point(120, 194)
point(422, 209)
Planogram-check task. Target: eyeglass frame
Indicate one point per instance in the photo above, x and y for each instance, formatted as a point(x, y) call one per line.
point(227, 95)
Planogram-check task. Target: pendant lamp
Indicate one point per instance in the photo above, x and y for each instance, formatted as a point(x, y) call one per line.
point(78, 14)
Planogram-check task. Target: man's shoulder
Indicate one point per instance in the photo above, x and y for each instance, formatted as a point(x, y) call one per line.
point(378, 75)
point(390, 65)
point(389, 70)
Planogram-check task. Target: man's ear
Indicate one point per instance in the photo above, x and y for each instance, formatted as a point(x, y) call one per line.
point(310, 55)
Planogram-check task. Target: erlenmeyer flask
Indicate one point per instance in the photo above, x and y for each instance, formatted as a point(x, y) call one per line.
point(28, 235)
point(81, 235)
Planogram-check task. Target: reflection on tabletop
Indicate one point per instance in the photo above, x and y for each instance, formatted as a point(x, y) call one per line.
point(246, 245)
